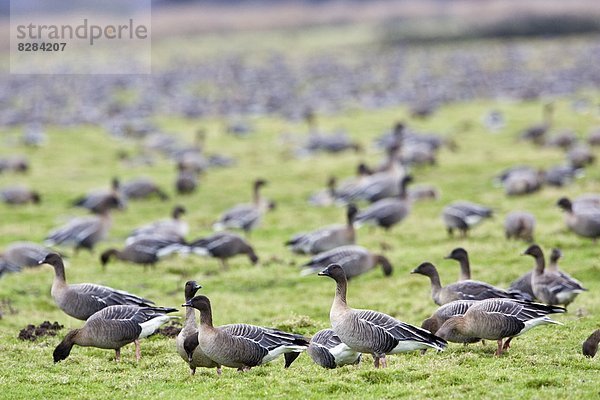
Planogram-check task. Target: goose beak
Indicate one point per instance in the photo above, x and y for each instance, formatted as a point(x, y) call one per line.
point(414, 271)
point(187, 304)
point(323, 273)
point(197, 287)
point(447, 257)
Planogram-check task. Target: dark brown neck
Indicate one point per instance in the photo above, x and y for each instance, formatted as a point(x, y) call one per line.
point(465, 268)
point(341, 290)
point(59, 271)
point(206, 316)
point(540, 263)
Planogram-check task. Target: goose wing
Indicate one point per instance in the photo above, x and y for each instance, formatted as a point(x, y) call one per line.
point(454, 308)
point(383, 209)
point(240, 216)
point(346, 256)
point(77, 230)
point(106, 296)
point(475, 290)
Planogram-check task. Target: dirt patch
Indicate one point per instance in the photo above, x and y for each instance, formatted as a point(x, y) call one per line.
point(46, 328)
point(171, 330)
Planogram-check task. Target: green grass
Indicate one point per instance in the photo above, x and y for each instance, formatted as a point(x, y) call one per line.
point(546, 362)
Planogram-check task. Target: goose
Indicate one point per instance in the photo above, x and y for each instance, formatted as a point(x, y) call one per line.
point(387, 212)
point(593, 138)
point(175, 227)
point(536, 133)
point(563, 139)
point(82, 300)
point(580, 156)
point(423, 192)
point(223, 245)
point(21, 254)
point(95, 201)
point(444, 313)
point(114, 327)
point(325, 238)
point(373, 332)
point(146, 250)
point(327, 350)
point(522, 285)
point(84, 232)
point(561, 175)
point(186, 181)
point(187, 339)
point(522, 182)
point(19, 195)
point(464, 215)
point(243, 346)
point(584, 221)
point(463, 290)
point(355, 260)
point(519, 225)
point(590, 346)
point(496, 319)
point(326, 197)
point(246, 216)
point(344, 191)
point(141, 188)
point(18, 164)
point(552, 268)
point(551, 287)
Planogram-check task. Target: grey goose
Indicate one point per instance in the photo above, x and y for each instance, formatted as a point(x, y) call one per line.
point(243, 346)
point(497, 319)
point(174, 227)
point(82, 300)
point(389, 211)
point(326, 238)
point(462, 290)
point(590, 346)
point(327, 350)
point(464, 215)
point(355, 260)
point(246, 216)
point(146, 250)
point(95, 201)
point(223, 245)
point(551, 287)
point(444, 313)
point(373, 332)
point(142, 188)
point(186, 181)
point(187, 339)
point(537, 133)
point(580, 156)
point(114, 327)
point(19, 195)
point(21, 254)
point(519, 225)
point(583, 220)
point(344, 191)
point(325, 197)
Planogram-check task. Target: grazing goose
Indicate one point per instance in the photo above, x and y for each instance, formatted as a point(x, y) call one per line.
point(387, 212)
point(496, 319)
point(355, 260)
point(82, 300)
point(243, 346)
point(372, 332)
point(537, 133)
point(223, 245)
point(325, 238)
point(584, 221)
point(146, 250)
point(519, 225)
point(187, 339)
point(84, 232)
point(19, 195)
point(95, 201)
point(423, 192)
point(175, 227)
point(563, 139)
point(590, 346)
point(561, 175)
point(246, 216)
point(325, 197)
point(327, 350)
point(463, 215)
point(142, 188)
point(21, 254)
point(463, 290)
point(114, 327)
point(580, 156)
point(551, 287)
point(523, 181)
point(186, 181)
point(444, 313)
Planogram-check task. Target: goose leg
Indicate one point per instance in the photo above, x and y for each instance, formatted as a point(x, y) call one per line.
point(507, 344)
point(383, 362)
point(192, 371)
point(117, 355)
point(219, 371)
point(138, 350)
point(450, 232)
point(376, 361)
point(499, 351)
point(224, 264)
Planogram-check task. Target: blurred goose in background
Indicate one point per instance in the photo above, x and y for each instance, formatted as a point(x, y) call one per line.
point(95, 201)
point(551, 287)
point(464, 215)
point(327, 350)
point(355, 260)
point(519, 225)
point(590, 346)
point(19, 195)
point(85, 232)
point(496, 319)
point(494, 121)
point(246, 216)
point(173, 228)
point(114, 327)
point(563, 139)
point(18, 164)
point(187, 339)
point(372, 332)
point(344, 191)
point(462, 290)
point(593, 138)
point(21, 254)
point(387, 212)
point(142, 188)
point(223, 245)
point(522, 181)
point(537, 133)
point(243, 346)
point(561, 175)
point(326, 238)
point(146, 250)
point(325, 197)
point(422, 192)
point(583, 220)
point(580, 156)
point(82, 300)
point(335, 142)
point(34, 135)
point(186, 181)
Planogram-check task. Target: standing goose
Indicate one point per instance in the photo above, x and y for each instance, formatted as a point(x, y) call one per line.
point(584, 221)
point(175, 227)
point(84, 232)
point(223, 245)
point(326, 238)
point(459, 254)
point(187, 339)
point(114, 327)
point(549, 287)
point(519, 225)
point(327, 350)
point(142, 188)
point(146, 250)
point(21, 254)
point(463, 215)
point(325, 197)
point(373, 332)
point(243, 346)
point(387, 212)
point(590, 346)
point(96, 200)
point(496, 319)
point(19, 195)
point(463, 290)
point(82, 300)
point(355, 260)
point(246, 216)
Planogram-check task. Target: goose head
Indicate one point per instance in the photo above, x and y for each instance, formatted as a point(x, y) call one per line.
point(534, 251)
point(565, 204)
point(191, 287)
point(351, 212)
point(426, 268)
point(457, 254)
point(63, 349)
point(178, 211)
point(36, 198)
point(334, 271)
point(555, 255)
point(200, 303)
point(259, 183)
point(106, 256)
point(52, 259)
